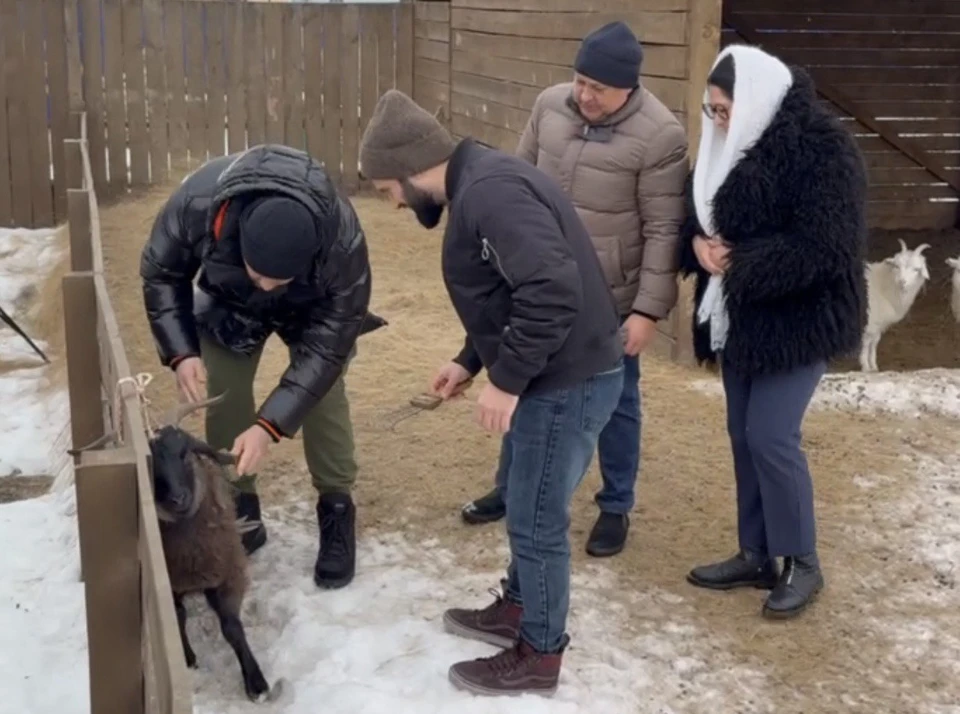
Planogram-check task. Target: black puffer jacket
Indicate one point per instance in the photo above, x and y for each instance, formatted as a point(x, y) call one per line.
point(319, 317)
point(794, 211)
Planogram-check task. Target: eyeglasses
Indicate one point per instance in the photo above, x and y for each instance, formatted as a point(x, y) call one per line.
point(716, 110)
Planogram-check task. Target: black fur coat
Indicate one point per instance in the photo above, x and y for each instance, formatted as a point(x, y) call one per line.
point(794, 212)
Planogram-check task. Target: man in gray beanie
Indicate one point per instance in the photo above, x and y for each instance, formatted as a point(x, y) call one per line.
point(621, 156)
point(529, 290)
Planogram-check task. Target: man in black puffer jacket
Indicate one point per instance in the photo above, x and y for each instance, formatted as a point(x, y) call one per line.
point(277, 251)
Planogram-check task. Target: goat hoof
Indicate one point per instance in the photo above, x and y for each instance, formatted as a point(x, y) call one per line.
point(257, 689)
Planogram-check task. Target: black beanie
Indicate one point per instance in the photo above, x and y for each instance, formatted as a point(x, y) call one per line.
point(278, 237)
point(611, 55)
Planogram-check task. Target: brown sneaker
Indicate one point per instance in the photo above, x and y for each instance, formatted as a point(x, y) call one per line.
point(518, 670)
point(497, 624)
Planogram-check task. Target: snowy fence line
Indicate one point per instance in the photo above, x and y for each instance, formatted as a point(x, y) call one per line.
point(135, 656)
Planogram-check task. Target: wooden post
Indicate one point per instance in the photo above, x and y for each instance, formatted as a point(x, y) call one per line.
point(83, 358)
point(107, 519)
point(704, 22)
point(81, 244)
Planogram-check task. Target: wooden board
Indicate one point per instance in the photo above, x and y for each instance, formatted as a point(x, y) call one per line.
point(892, 93)
point(176, 82)
point(404, 51)
point(313, 16)
point(854, 39)
point(153, 22)
point(116, 107)
point(293, 77)
point(898, 215)
point(196, 83)
point(273, 55)
point(386, 49)
point(350, 96)
point(368, 67)
point(236, 78)
point(433, 70)
point(332, 30)
point(433, 11)
point(491, 89)
point(667, 28)
point(6, 204)
point(431, 50)
point(658, 60)
point(836, 22)
point(35, 83)
point(431, 30)
point(844, 56)
point(256, 73)
point(94, 101)
point(863, 7)
point(434, 97)
point(133, 68)
point(609, 6)
point(481, 110)
point(216, 79)
point(495, 136)
point(18, 117)
point(57, 79)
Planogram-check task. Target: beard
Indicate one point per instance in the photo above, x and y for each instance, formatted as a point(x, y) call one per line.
point(425, 207)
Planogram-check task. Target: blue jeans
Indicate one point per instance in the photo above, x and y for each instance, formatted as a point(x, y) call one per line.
point(618, 449)
point(546, 454)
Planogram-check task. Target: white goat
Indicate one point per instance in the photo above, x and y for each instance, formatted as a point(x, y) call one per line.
point(892, 286)
point(955, 293)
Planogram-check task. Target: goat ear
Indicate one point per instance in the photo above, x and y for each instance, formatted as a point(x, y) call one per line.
point(924, 271)
point(953, 262)
point(890, 261)
point(225, 458)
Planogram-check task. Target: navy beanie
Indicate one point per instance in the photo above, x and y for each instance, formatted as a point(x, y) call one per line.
point(278, 237)
point(611, 55)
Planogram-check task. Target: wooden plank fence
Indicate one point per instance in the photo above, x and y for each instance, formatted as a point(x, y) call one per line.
point(890, 69)
point(167, 84)
point(136, 660)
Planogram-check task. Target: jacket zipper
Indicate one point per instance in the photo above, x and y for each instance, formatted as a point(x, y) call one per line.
point(485, 254)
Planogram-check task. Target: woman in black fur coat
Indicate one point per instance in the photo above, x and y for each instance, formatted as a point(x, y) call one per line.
point(776, 236)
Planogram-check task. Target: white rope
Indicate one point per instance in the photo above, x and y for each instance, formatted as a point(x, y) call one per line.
point(140, 383)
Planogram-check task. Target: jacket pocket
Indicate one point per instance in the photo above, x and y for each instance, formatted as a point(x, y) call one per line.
point(611, 262)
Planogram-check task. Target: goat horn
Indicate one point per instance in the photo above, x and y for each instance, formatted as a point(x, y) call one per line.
point(920, 248)
point(105, 439)
point(182, 411)
point(903, 246)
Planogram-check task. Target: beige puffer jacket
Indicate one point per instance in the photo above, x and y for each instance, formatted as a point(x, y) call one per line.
point(627, 185)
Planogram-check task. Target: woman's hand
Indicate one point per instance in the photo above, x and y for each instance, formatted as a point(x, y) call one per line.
point(706, 250)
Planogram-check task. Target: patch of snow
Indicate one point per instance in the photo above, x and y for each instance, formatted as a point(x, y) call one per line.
point(29, 425)
point(912, 394)
point(377, 646)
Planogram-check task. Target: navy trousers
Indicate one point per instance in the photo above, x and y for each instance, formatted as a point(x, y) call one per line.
point(775, 513)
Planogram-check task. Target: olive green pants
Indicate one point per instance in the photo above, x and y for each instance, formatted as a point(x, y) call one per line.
point(327, 430)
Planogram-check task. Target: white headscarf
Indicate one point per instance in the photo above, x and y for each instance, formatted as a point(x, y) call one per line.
point(760, 84)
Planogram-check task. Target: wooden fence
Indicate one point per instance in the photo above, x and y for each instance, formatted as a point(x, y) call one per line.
point(167, 84)
point(890, 69)
point(135, 656)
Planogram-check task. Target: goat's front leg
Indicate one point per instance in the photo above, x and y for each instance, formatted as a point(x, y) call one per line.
point(231, 627)
point(874, 344)
point(182, 622)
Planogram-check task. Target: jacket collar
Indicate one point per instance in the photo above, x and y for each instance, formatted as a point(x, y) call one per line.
point(467, 151)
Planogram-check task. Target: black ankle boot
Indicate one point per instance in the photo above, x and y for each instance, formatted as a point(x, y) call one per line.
point(248, 509)
point(336, 560)
point(797, 587)
point(486, 509)
point(740, 571)
point(609, 534)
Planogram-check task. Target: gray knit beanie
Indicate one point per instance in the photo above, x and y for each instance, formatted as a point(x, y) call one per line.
point(402, 139)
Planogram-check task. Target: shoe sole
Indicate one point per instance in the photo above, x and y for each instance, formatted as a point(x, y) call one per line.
point(730, 586)
point(790, 614)
point(462, 684)
point(605, 552)
point(455, 628)
point(332, 583)
point(478, 519)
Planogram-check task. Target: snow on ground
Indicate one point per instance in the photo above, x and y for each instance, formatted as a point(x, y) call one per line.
point(25, 421)
point(925, 391)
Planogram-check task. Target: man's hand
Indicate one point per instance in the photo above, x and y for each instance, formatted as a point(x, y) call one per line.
point(495, 409)
point(637, 332)
point(192, 379)
point(250, 448)
point(446, 381)
point(720, 253)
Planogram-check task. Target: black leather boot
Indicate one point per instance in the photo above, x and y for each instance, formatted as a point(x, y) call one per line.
point(740, 571)
point(336, 560)
point(609, 534)
point(486, 509)
point(797, 587)
point(254, 537)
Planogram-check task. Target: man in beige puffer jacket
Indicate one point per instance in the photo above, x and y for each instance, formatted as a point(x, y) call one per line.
point(621, 156)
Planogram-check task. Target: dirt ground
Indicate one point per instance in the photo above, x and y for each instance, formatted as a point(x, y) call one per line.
point(416, 476)
point(928, 336)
